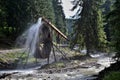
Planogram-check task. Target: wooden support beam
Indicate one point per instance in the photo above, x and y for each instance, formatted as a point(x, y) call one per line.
point(56, 29)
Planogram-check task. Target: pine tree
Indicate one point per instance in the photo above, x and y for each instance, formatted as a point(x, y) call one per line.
point(43, 8)
point(16, 14)
point(59, 17)
point(106, 9)
point(114, 21)
point(3, 15)
point(89, 27)
point(16, 17)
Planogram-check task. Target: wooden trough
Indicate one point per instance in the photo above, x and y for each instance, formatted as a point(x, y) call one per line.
point(55, 28)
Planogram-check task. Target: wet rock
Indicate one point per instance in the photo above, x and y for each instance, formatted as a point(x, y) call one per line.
point(2, 76)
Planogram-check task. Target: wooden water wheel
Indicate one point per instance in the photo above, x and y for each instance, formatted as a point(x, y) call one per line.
point(43, 48)
point(46, 40)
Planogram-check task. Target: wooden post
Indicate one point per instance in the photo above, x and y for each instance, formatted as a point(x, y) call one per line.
point(56, 29)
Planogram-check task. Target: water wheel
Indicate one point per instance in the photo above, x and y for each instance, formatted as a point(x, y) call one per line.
point(37, 42)
point(44, 45)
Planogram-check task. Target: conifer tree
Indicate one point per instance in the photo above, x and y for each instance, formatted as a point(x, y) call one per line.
point(106, 9)
point(89, 27)
point(16, 14)
point(16, 17)
point(59, 17)
point(114, 21)
point(43, 8)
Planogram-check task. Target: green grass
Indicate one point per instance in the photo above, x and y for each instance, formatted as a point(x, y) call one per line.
point(55, 65)
point(12, 57)
point(112, 76)
point(7, 57)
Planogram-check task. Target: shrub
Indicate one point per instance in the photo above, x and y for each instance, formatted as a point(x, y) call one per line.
point(112, 76)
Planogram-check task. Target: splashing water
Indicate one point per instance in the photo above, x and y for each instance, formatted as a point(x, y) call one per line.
point(36, 43)
point(30, 38)
point(33, 37)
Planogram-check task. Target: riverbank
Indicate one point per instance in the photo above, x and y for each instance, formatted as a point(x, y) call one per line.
point(78, 68)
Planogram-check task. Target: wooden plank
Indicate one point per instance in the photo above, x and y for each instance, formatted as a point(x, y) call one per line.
point(54, 28)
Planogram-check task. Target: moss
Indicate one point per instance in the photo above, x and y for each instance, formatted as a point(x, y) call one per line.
point(112, 76)
point(60, 65)
point(55, 65)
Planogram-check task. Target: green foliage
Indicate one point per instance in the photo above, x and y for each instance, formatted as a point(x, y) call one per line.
point(112, 76)
point(15, 18)
point(43, 8)
point(59, 18)
point(114, 21)
point(16, 15)
point(59, 15)
point(101, 33)
point(89, 28)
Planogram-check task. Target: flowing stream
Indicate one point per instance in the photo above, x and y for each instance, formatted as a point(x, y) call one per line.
point(82, 73)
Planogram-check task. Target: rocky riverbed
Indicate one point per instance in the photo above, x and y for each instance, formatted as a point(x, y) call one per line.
point(77, 68)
